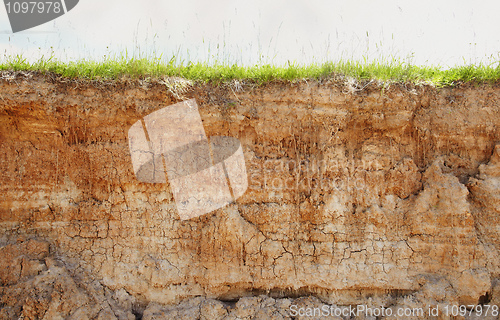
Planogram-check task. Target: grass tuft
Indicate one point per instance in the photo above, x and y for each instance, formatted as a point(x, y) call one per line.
point(385, 70)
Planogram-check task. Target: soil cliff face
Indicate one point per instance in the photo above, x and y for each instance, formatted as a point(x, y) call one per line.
point(353, 195)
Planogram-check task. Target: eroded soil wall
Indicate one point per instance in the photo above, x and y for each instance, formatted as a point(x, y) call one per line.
point(352, 193)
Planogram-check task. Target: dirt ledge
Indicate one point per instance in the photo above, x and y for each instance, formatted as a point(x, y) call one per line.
point(376, 196)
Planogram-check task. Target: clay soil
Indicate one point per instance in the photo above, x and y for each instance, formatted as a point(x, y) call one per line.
point(358, 195)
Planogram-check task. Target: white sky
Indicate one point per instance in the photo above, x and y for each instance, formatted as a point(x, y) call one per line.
point(438, 32)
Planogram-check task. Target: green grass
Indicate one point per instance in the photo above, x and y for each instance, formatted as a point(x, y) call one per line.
point(387, 70)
